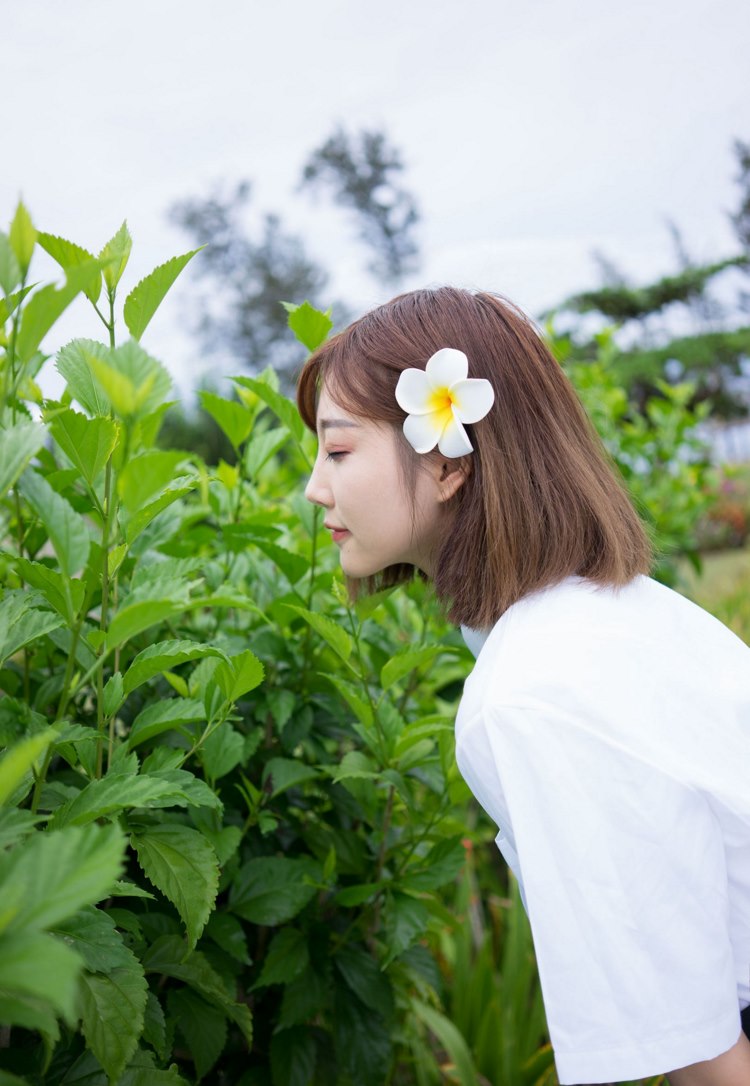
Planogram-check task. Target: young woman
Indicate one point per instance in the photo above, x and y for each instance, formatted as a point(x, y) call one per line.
point(605, 727)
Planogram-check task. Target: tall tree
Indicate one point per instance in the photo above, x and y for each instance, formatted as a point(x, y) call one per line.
point(740, 219)
point(711, 357)
point(362, 172)
point(239, 310)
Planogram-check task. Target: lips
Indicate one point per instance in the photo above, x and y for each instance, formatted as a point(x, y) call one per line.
point(336, 532)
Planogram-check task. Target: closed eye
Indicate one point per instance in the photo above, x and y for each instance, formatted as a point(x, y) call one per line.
point(334, 455)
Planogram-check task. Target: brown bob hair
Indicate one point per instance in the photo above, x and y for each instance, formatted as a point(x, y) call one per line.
point(542, 498)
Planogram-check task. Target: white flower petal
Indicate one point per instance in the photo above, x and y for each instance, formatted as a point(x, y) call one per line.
point(473, 398)
point(447, 366)
point(422, 432)
point(454, 440)
point(413, 392)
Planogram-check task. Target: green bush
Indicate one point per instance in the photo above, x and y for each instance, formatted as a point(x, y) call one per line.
point(230, 816)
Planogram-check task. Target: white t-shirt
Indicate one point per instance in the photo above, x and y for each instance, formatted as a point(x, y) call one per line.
point(607, 734)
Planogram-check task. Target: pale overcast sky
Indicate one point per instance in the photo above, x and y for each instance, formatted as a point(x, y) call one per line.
point(532, 132)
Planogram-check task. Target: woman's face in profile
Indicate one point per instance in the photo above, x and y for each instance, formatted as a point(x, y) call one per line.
point(357, 479)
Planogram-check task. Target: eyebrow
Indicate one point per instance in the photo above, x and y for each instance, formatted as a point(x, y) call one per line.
point(331, 424)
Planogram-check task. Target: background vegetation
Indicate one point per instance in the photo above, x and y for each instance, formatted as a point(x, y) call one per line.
point(235, 846)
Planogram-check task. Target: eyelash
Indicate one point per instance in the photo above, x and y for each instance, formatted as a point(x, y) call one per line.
point(334, 455)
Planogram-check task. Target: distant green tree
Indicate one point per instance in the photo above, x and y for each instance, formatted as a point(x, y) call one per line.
point(239, 312)
point(740, 219)
point(361, 171)
point(711, 357)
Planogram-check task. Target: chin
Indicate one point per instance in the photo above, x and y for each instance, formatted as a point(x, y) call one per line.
point(358, 572)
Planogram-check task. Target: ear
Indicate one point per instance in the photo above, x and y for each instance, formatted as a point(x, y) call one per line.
point(452, 474)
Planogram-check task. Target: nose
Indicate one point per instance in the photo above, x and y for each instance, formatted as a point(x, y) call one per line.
point(316, 491)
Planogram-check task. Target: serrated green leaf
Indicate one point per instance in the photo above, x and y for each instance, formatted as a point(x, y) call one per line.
point(18, 760)
point(65, 528)
point(9, 305)
point(353, 697)
point(65, 594)
point(165, 655)
point(406, 662)
point(91, 932)
point(310, 325)
point(15, 824)
point(239, 675)
point(279, 774)
point(293, 1056)
point(141, 1073)
point(417, 754)
point(17, 446)
point(444, 862)
point(203, 1026)
point(123, 888)
point(355, 764)
point(181, 864)
point(282, 704)
point(365, 978)
point(227, 932)
point(115, 256)
point(139, 521)
point(69, 255)
point(262, 447)
point(20, 623)
point(55, 874)
point(284, 409)
point(122, 394)
point(272, 889)
point(358, 895)
point(32, 1014)
point(405, 920)
point(113, 694)
point(147, 296)
point(196, 791)
point(22, 236)
point(303, 998)
point(38, 965)
point(366, 606)
point(167, 956)
point(361, 1039)
point(88, 443)
point(118, 792)
point(293, 566)
point(222, 751)
point(155, 1027)
point(10, 271)
point(133, 618)
point(162, 716)
point(113, 1008)
point(134, 382)
point(233, 418)
point(72, 363)
point(287, 956)
point(338, 639)
point(146, 475)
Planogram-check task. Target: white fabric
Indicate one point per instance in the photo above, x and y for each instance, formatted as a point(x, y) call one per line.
point(607, 734)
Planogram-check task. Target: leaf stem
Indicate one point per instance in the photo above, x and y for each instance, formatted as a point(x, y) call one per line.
point(100, 717)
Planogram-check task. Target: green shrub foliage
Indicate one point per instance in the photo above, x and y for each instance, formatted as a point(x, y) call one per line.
point(231, 826)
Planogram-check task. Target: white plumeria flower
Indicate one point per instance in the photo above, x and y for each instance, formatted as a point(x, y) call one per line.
point(439, 399)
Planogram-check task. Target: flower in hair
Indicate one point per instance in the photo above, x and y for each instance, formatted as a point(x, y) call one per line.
point(439, 399)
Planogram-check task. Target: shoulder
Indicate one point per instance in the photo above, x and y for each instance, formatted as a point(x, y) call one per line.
point(583, 643)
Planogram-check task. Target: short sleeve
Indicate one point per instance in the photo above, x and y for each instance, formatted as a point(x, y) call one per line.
point(626, 890)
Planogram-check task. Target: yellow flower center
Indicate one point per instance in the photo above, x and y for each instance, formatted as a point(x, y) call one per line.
point(441, 402)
